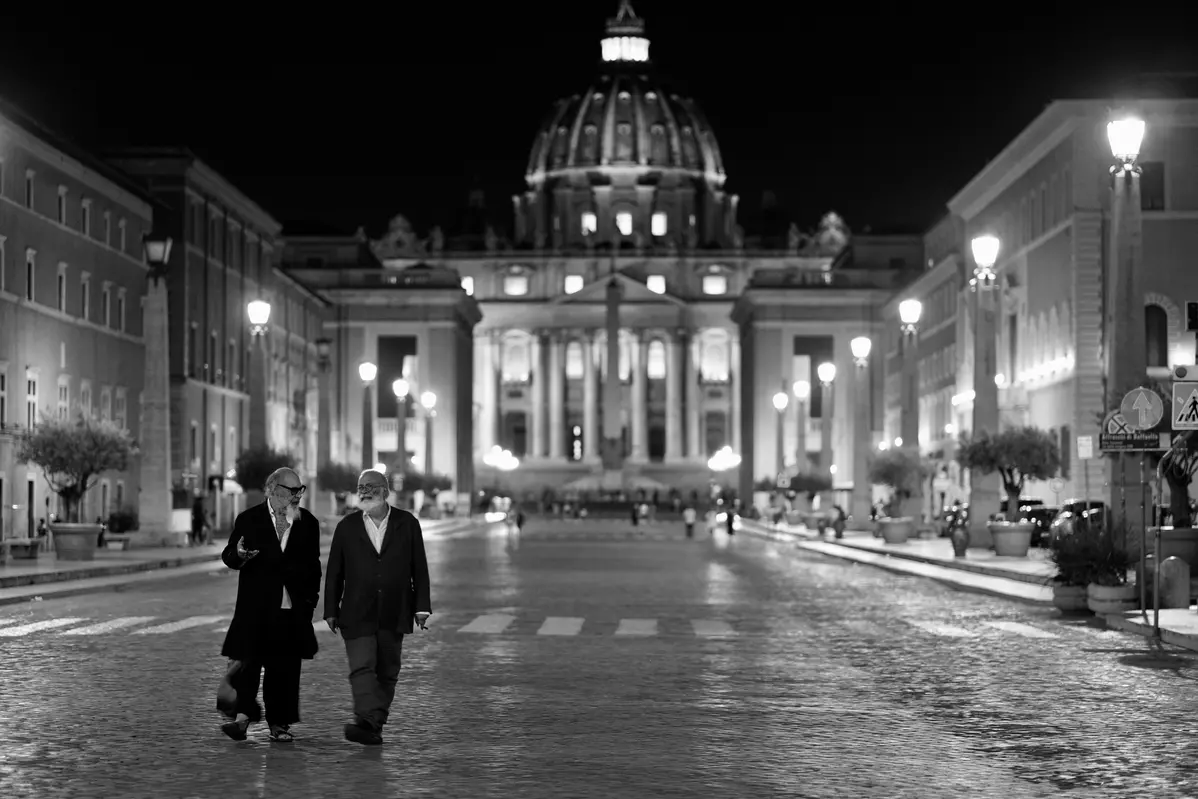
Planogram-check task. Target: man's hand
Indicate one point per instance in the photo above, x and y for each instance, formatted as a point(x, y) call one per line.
point(242, 552)
point(421, 618)
point(332, 622)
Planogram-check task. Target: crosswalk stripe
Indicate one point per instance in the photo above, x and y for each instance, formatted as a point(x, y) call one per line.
point(176, 626)
point(641, 627)
point(1026, 630)
point(108, 626)
point(942, 630)
point(9, 620)
point(561, 625)
point(489, 623)
point(710, 628)
point(37, 626)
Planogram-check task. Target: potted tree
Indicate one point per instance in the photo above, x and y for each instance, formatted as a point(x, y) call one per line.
point(1109, 590)
point(1074, 557)
point(1017, 455)
point(73, 455)
point(903, 470)
point(339, 478)
point(807, 485)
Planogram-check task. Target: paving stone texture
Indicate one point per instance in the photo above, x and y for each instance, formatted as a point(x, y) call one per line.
point(615, 667)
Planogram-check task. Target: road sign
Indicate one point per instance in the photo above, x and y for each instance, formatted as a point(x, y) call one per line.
point(783, 480)
point(1056, 484)
point(1186, 372)
point(1085, 448)
point(1185, 406)
point(1118, 436)
point(1142, 409)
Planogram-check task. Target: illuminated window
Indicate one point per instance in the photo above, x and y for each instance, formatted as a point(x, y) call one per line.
point(656, 284)
point(625, 48)
point(655, 366)
point(713, 356)
point(515, 360)
point(659, 223)
point(574, 361)
point(468, 285)
point(515, 285)
point(715, 284)
point(590, 223)
point(573, 284)
point(624, 223)
point(64, 397)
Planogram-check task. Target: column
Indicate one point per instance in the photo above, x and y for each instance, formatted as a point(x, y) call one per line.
point(674, 390)
point(154, 505)
point(591, 445)
point(557, 396)
point(734, 378)
point(909, 418)
point(536, 354)
point(639, 350)
point(862, 498)
point(690, 376)
point(485, 348)
point(984, 489)
point(827, 415)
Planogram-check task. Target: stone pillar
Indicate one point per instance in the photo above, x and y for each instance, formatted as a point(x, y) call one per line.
point(613, 390)
point(674, 390)
point(640, 421)
point(488, 416)
point(260, 369)
point(827, 417)
point(909, 419)
point(557, 396)
point(734, 381)
point(591, 444)
point(862, 498)
point(984, 489)
point(536, 357)
point(690, 375)
point(154, 504)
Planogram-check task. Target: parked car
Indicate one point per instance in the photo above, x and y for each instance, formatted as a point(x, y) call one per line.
point(1042, 517)
point(1073, 512)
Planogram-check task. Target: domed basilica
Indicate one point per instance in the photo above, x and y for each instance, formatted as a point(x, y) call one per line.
point(622, 330)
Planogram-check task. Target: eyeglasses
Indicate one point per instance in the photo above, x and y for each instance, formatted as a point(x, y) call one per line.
point(371, 489)
point(295, 492)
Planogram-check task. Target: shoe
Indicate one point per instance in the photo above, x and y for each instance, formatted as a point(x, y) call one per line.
point(281, 733)
point(235, 729)
point(360, 734)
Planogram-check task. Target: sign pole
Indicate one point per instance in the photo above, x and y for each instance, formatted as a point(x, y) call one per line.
point(1144, 543)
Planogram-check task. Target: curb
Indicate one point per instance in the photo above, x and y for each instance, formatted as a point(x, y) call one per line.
point(74, 575)
point(1137, 625)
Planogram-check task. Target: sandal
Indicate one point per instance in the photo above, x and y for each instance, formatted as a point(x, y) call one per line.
point(281, 733)
point(235, 729)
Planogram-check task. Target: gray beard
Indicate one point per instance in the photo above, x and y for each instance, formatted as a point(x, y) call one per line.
point(371, 505)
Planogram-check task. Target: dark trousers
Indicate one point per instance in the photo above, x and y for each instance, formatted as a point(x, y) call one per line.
point(280, 686)
point(690, 530)
point(373, 672)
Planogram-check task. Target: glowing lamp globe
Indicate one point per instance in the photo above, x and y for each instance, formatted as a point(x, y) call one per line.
point(780, 401)
point(1125, 136)
point(367, 371)
point(860, 347)
point(910, 311)
point(801, 390)
point(985, 251)
point(429, 400)
point(158, 251)
point(826, 372)
point(400, 387)
point(258, 312)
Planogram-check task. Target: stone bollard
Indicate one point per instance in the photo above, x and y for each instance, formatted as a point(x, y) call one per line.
point(1175, 583)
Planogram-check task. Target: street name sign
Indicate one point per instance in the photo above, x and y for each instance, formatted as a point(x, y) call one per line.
point(1185, 406)
point(1142, 409)
point(1118, 436)
point(1085, 448)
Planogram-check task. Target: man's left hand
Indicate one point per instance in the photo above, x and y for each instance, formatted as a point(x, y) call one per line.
point(421, 619)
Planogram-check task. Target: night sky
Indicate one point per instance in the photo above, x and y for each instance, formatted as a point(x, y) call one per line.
point(347, 120)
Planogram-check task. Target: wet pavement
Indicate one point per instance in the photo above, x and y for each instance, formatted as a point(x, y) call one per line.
point(608, 666)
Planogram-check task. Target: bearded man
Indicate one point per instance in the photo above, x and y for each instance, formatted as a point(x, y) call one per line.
point(377, 583)
point(276, 548)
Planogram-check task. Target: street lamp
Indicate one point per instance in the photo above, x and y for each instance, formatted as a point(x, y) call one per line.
point(862, 495)
point(984, 488)
point(781, 400)
point(860, 348)
point(401, 388)
point(368, 371)
point(1125, 136)
point(802, 391)
point(909, 313)
point(826, 372)
point(155, 432)
point(158, 254)
point(259, 313)
point(428, 400)
point(985, 256)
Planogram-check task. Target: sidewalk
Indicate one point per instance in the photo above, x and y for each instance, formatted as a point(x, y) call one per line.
point(22, 580)
point(1023, 579)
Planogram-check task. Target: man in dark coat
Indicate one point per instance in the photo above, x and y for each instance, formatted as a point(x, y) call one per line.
point(377, 582)
point(276, 548)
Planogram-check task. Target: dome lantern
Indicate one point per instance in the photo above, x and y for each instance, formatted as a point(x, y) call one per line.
point(625, 41)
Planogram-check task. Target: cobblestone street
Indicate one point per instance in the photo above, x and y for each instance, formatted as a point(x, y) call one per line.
point(608, 666)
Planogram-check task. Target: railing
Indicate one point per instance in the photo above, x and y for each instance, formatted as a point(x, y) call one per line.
point(835, 279)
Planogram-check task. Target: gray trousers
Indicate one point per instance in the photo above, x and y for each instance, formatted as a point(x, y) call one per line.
point(373, 673)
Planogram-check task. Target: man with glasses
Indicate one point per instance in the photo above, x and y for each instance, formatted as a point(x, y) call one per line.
point(377, 584)
point(276, 548)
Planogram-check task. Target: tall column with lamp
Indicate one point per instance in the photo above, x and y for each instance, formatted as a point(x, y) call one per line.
point(1124, 334)
point(781, 400)
point(402, 390)
point(674, 392)
point(367, 372)
point(324, 349)
point(984, 489)
point(802, 392)
point(826, 372)
point(591, 445)
point(258, 312)
point(428, 401)
point(639, 349)
point(691, 373)
point(154, 504)
point(909, 313)
point(862, 498)
point(557, 397)
point(536, 428)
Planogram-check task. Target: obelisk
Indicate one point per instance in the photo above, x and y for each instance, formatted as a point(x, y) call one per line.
point(613, 417)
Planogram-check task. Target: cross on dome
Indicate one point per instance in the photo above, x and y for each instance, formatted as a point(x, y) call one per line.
point(625, 40)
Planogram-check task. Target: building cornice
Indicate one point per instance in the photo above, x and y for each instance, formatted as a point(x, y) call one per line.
point(943, 272)
point(211, 181)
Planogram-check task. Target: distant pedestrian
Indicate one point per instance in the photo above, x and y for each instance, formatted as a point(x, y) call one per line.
point(275, 547)
point(838, 520)
point(636, 515)
point(688, 518)
point(377, 585)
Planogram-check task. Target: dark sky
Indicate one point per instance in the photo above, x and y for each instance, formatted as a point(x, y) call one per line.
point(352, 117)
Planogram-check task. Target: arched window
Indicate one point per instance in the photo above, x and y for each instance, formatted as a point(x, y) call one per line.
point(658, 146)
point(713, 357)
point(590, 139)
point(1156, 335)
point(656, 365)
point(624, 142)
point(515, 359)
point(575, 367)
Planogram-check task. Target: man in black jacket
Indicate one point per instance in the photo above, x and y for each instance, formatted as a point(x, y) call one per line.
point(276, 548)
point(377, 582)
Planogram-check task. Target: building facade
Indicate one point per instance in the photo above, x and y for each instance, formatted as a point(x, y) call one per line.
point(72, 277)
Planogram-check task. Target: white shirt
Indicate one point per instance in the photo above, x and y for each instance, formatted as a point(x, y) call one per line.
point(376, 531)
point(286, 605)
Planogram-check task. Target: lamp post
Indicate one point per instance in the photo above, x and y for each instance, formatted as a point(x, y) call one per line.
point(781, 400)
point(826, 372)
point(324, 362)
point(1124, 336)
point(154, 503)
point(862, 498)
point(402, 390)
point(428, 400)
point(367, 371)
point(802, 392)
point(258, 312)
point(984, 489)
point(909, 313)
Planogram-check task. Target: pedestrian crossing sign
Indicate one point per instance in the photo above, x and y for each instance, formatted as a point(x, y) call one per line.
point(1185, 406)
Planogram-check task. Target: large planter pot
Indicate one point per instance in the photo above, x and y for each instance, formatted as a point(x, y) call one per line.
point(960, 539)
point(1112, 598)
point(75, 541)
point(1179, 542)
point(1070, 598)
point(897, 531)
point(1011, 540)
